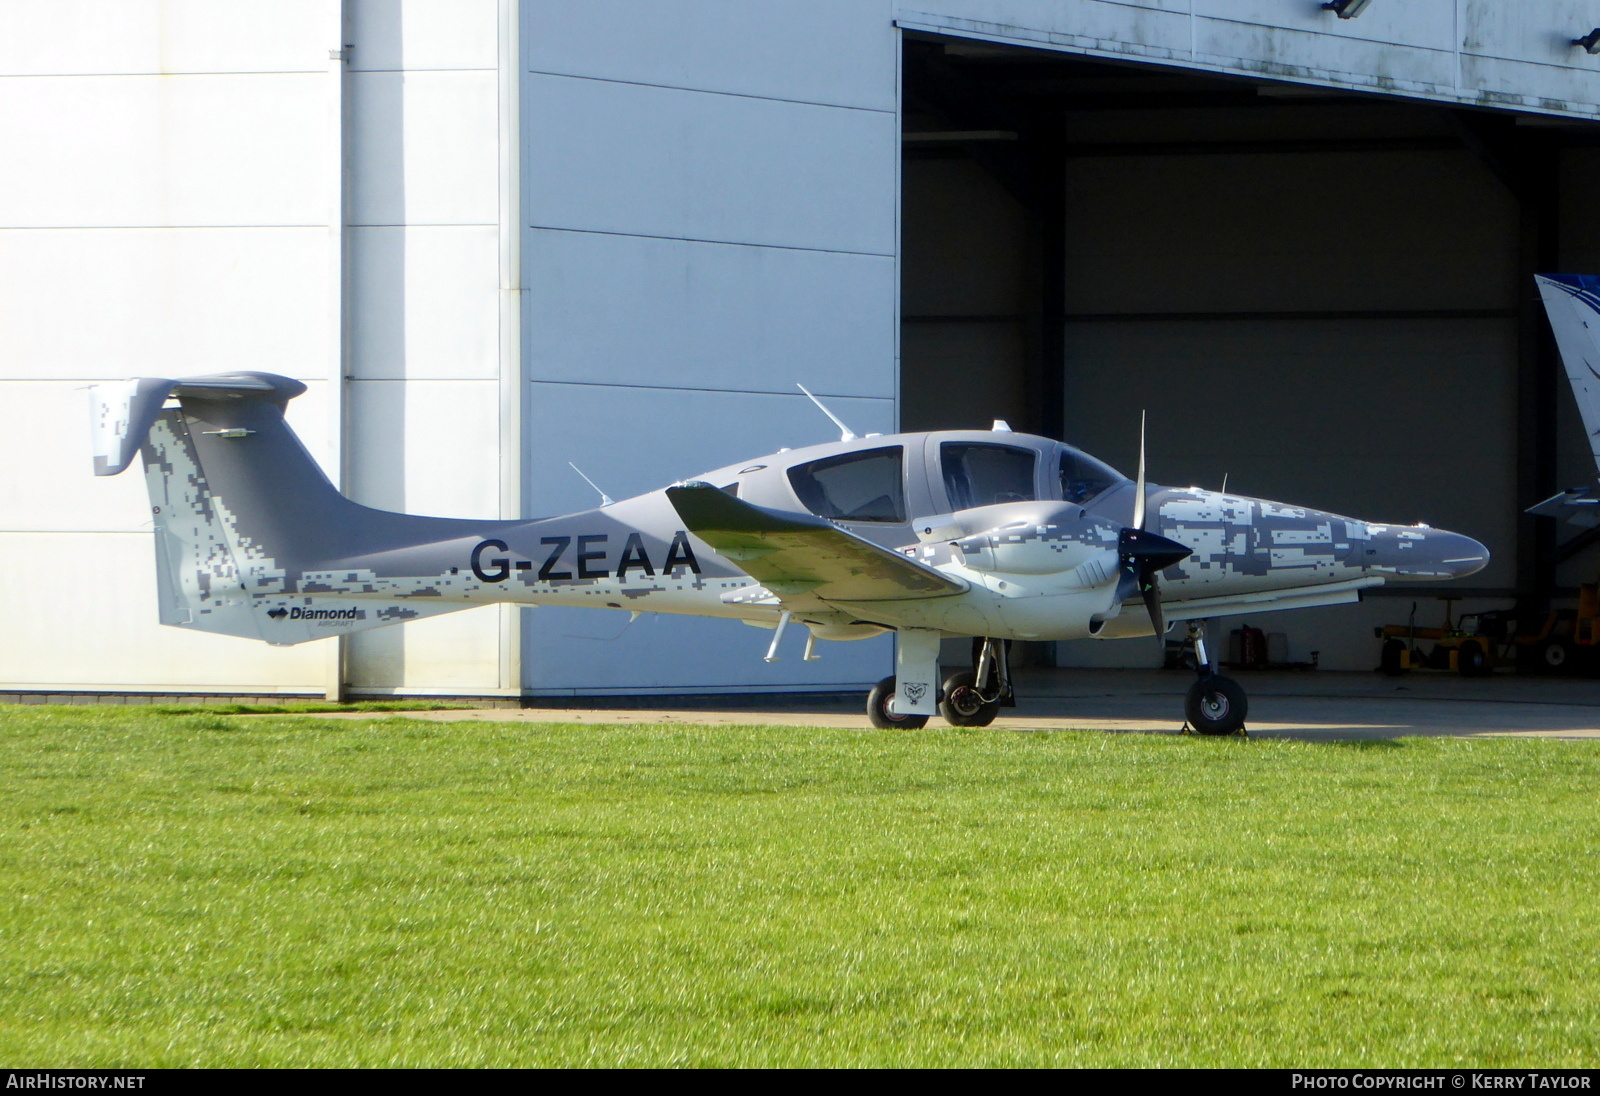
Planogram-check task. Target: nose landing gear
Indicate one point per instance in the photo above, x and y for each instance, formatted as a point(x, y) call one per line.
point(973, 698)
point(1215, 705)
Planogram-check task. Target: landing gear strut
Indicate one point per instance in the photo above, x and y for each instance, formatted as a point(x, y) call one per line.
point(1215, 705)
point(974, 697)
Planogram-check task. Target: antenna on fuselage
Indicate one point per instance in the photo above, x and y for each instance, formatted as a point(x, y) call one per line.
point(845, 433)
point(605, 499)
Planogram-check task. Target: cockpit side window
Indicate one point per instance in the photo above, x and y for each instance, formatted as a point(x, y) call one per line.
point(977, 474)
point(853, 486)
point(1084, 478)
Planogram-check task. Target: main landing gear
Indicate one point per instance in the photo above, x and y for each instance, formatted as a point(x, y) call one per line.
point(1215, 705)
point(971, 698)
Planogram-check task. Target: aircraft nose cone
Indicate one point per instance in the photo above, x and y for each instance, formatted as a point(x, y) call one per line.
point(1418, 552)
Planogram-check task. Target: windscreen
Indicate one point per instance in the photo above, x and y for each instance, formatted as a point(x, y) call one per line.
point(982, 475)
point(1084, 478)
point(854, 486)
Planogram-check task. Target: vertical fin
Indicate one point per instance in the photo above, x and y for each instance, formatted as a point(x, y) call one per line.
point(1572, 301)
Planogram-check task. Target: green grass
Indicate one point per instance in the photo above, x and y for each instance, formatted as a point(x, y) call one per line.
point(198, 889)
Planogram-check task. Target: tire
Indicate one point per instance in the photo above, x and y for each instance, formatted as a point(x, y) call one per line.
point(1392, 661)
point(1216, 706)
point(1471, 659)
point(1554, 656)
point(880, 715)
point(961, 705)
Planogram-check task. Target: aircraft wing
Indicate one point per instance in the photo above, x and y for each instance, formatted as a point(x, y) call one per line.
point(800, 557)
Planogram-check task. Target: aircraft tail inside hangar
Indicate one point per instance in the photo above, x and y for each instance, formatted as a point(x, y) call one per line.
point(496, 236)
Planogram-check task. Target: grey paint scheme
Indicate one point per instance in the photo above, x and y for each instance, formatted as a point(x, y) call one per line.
point(253, 540)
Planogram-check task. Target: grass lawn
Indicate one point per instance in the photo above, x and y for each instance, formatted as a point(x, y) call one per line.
point(207, 889)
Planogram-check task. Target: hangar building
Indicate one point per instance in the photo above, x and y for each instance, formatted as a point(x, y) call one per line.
point(496, 236)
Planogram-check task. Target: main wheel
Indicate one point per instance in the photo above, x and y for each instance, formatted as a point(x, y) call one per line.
point(1216, 705)
point(1554, 655)
point(878, 709)
point(962, 706)
point(1392, 660)
point(1471, 659)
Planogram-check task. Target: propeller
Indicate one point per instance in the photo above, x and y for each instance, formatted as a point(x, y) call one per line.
point(1143, 555)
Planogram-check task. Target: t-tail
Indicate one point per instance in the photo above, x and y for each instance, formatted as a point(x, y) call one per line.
point(1572, 301)
point(251, 538)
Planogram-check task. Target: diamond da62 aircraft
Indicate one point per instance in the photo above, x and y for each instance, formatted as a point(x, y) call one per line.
point(990, 534)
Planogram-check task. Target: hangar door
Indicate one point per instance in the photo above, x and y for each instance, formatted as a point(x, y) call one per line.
point(1319, 294)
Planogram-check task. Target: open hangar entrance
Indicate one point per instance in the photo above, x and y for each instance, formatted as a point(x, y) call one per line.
point(1322, 296)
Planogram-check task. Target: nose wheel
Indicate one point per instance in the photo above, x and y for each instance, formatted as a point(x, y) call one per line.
point(1215, 705)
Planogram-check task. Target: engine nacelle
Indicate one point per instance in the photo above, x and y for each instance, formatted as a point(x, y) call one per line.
point(1027, 549)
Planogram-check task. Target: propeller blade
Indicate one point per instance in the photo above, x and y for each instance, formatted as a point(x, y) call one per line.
point(1143, 556)
point(1138, 497)
point(1152, 605)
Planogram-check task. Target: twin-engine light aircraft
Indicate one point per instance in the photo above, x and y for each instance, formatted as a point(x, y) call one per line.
point(984, 533)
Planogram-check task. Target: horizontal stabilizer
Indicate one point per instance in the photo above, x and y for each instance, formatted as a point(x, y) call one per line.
point(1578, 505)
point(799, 557)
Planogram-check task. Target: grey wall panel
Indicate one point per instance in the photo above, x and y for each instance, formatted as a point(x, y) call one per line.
point(631, 440)
point(624, 158)
point(711, 202)
point(637, 310)
point(836, 52)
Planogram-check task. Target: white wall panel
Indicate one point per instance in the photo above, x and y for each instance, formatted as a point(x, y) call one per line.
point(838, 52)
point(109, 303)
point(422, 148)
point(426, 447)
point(421, 34)
point(424, 302)
point(457, 652)
point(672, 313)
point(103, 632)
point(164, 150)
point(613, 157)
point(49, 483)
point(62, 37)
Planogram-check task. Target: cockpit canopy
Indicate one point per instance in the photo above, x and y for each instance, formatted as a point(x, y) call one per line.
point(869, 484)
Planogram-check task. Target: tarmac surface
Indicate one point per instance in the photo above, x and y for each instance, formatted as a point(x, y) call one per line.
point(1311, 705)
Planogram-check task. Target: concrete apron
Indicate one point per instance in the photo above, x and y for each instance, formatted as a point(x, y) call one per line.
point(1304, 705)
